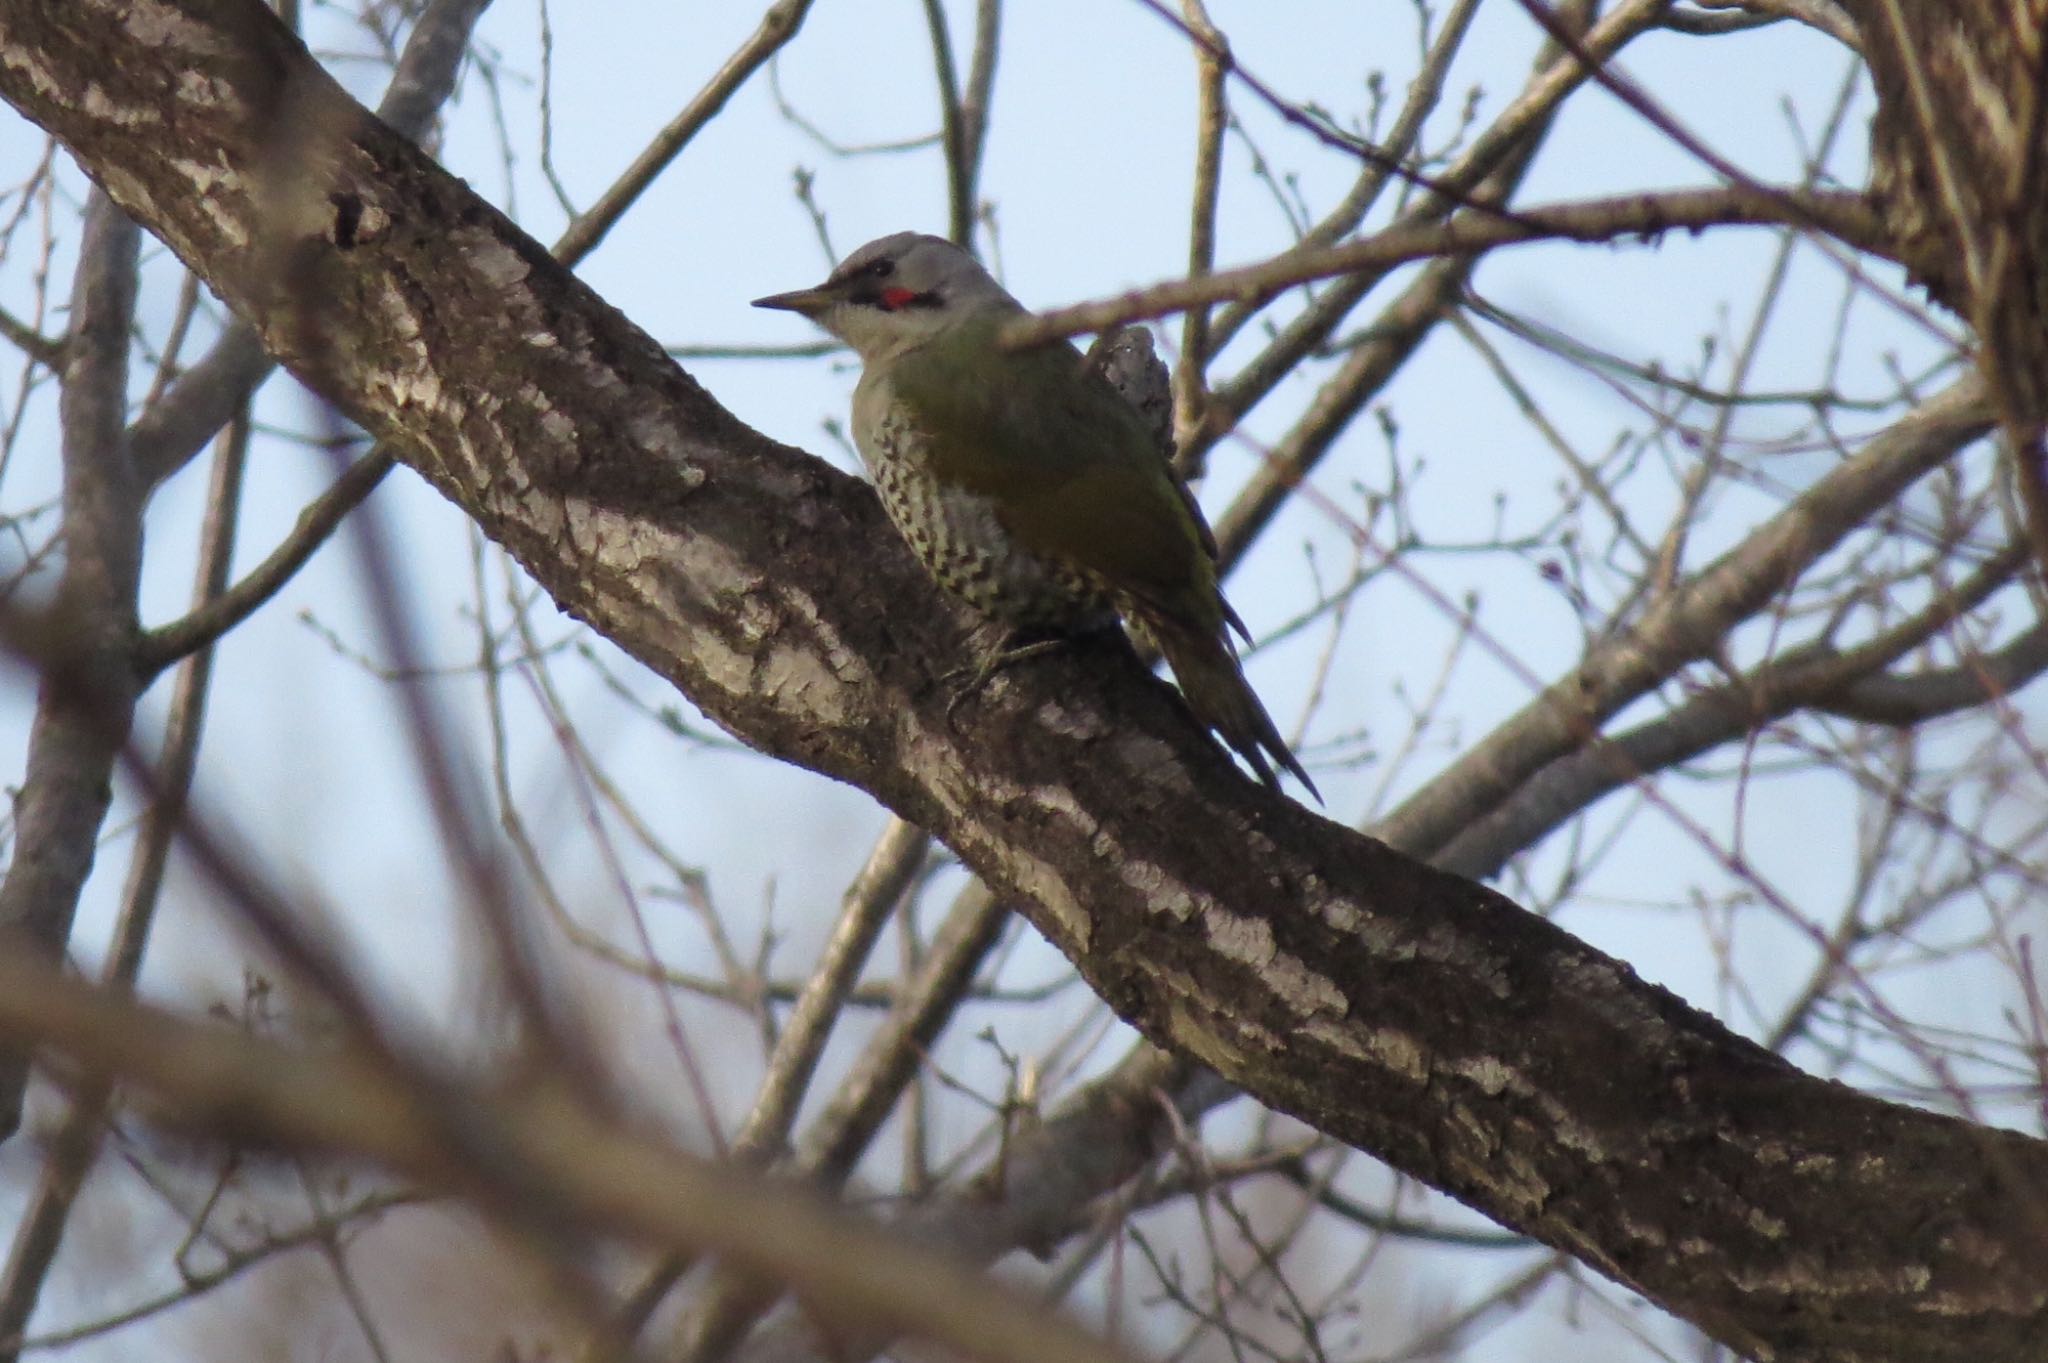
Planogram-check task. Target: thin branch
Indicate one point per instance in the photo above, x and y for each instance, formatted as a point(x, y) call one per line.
point(1425, 92)
point(1489, 169)
point(1039, 1189)
point(198, 403)
point(977, 99)
point(1319, 125)
point(826, 1155)
point(174, 340)
point(44, 350)
point(87, 699)
point(1733, 16)
point(1911, 700)
point(1625, 89)
point(1849, 682)
point(1690, 621)
point(870, 900)
point(778, 25)
point(423, 78)
point(959, 170)
point(158, 648)
point(193, 1285)
point(77, 1141)
point(1190, 389)
point(530, 1146)
point(1646, 216)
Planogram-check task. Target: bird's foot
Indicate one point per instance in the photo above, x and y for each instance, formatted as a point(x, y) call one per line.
point(1006, 652)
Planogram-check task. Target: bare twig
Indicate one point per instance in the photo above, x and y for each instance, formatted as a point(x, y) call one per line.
point(863, 1101)
point(1647, 216)
point(215, 616)
point(76, 1144)
point(1190, 389)
point(536, 1146)
point(1689, 622)
point(779, 23)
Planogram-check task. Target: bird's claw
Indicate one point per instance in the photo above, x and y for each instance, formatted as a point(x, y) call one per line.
point(979, 674)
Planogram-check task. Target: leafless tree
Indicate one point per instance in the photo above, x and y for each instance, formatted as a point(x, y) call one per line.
point(1766, 632)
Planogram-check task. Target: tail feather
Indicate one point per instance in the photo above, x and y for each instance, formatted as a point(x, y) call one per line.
point(1209, 675)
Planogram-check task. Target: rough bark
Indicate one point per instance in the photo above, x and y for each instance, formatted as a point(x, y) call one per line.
point(1959, 151)
point(1956, 131)
point(1418, 1016)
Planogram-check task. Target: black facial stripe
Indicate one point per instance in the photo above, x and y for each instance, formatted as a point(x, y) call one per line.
point(874, 269)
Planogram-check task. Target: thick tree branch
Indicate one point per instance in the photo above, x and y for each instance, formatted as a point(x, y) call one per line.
point(195, 408)
point(88, 690)
point(1410, 1013)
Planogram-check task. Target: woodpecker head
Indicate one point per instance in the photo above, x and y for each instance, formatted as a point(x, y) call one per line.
point(896, 293)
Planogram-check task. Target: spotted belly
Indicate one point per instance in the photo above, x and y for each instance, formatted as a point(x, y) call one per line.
point(956, 536)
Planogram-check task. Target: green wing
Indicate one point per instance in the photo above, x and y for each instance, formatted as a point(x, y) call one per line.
point(1072, 469)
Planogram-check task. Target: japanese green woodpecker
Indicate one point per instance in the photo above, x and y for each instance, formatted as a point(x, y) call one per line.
point(1025, 484)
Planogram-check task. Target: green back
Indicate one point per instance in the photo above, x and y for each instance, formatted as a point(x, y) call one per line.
point(1072, 470)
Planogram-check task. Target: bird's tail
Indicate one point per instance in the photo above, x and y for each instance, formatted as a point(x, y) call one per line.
point(1207, 669)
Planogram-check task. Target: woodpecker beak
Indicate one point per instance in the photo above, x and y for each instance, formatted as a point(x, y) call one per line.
point(809, 302)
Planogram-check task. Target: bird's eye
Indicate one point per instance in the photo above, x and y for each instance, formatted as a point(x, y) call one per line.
point(882, 269)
